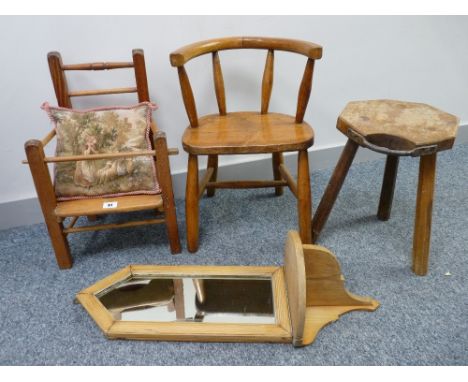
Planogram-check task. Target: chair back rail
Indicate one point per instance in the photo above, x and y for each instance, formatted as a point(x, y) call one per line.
point(98, 66)
point(183, 55)
point(186, 53)
point(64, 95)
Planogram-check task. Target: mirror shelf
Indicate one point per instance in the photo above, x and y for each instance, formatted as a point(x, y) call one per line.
point(289, 304)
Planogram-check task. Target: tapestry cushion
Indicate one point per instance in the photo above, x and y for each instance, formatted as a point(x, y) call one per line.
point(100, 131)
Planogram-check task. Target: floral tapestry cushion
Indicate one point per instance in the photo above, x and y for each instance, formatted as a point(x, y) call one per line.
point(100, 131)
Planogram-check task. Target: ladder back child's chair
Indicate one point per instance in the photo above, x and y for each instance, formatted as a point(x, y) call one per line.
point(246, 132)
point(56, 211)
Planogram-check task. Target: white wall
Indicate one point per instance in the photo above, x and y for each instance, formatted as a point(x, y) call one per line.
point(413, 58)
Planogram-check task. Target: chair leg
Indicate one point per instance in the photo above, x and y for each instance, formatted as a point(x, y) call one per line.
point(191, 203)
point(333, 188)
point(388, 187)
point(212, 162)
point(59, 243)
point(276, 161)
point(165, 181)
point(172, 228)
point(46, 194)
point(304, 199)
point(423, 218)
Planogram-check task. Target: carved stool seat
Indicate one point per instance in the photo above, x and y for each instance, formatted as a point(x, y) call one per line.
point(394, 128)
point(398, 128)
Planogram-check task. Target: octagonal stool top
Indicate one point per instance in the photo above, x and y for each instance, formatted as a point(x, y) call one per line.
point(398, 127)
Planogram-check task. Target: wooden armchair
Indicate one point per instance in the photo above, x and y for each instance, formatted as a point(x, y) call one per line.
point(246, 132)
point(55, 211)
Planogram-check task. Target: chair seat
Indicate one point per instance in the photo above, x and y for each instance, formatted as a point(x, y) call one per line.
point(397, 125)
point(94, 206)
point(246, 133)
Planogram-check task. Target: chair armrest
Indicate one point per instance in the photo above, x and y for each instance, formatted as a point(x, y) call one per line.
point(48, 137)
point(132, 154)
point(161, 135)
point(74, 158)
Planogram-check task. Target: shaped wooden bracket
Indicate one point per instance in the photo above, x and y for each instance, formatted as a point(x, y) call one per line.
point(316, 292)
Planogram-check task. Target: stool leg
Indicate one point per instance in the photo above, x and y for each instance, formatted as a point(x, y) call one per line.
point(422, 225)
point(388, 187)
point(212, 162)
point(304, 199)
point(333, 188)
point(276, 161)
point(191, 203)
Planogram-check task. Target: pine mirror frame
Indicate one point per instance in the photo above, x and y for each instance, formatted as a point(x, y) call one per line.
point(280, 331)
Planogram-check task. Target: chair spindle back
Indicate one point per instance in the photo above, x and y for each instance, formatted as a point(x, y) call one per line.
point(180, 57)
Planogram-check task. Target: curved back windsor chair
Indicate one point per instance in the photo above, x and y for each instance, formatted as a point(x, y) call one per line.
point(55, 211)
point(246, 132)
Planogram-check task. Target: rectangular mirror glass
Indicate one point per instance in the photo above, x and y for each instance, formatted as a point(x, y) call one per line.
point(212, 299)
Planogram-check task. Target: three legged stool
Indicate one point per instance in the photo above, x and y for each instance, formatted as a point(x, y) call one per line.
point(394, 128)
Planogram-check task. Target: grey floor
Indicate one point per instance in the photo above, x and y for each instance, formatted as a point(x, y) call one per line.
point(421, 321)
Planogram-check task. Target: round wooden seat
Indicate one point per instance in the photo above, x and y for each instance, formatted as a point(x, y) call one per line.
point(397, 127)
point(247, 133)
